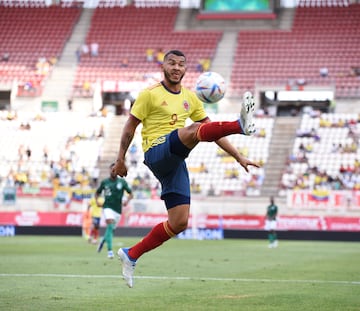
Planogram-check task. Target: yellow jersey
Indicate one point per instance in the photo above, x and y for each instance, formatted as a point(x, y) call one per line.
point(162, 111)
point(94, 208)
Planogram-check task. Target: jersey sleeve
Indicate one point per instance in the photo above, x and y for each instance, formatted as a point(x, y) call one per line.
point(141, 106)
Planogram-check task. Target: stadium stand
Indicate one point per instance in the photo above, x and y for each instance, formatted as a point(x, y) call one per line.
point(33, 35)
point(121, 38)
point(325, 154)
point(271, 55)
point(41, 155)
point(321, 32)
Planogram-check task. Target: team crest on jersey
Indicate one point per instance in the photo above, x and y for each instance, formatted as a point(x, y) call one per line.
point(186, 105)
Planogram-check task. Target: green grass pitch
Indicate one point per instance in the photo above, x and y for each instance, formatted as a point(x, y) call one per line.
point(66, 273)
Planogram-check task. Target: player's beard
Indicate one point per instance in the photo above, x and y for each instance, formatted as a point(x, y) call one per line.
point(170, 80)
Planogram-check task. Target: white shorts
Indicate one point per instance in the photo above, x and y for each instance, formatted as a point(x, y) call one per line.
point(270, 225)
point(111, 214)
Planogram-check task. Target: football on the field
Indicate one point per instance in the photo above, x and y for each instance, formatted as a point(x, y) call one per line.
point(210, 87)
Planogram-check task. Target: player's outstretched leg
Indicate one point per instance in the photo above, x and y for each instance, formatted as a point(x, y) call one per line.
point(128, 266)
point(246, 114)
point(213, 131)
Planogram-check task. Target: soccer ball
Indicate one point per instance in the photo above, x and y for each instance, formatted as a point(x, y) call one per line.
point(210, 87)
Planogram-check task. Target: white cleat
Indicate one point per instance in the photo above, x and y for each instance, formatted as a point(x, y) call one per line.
point(128, 266)
point(274, 244)
point(110, 254)
point(246, 114)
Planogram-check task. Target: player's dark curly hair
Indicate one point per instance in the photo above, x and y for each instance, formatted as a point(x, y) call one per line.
point(175, 52)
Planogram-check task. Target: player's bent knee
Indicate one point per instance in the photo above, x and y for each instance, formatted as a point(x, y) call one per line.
point(179, 227)
point(193, 129)
point(188, 134)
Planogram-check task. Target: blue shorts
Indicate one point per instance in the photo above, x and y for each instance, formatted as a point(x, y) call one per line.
point(167, 162)
point(96, 222)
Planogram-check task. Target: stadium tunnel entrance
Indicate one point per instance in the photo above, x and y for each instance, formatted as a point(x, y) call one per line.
point(119, 102)
point(5, 99)
point(292, 103)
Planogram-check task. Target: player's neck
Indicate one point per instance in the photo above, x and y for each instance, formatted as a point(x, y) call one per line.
point(172, 88)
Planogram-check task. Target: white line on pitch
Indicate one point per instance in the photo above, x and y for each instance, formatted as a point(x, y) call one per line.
point(186, 278)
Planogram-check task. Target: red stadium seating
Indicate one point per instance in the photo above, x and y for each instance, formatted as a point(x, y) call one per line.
point(320, 37)
point(120, 35)
point(29, 33)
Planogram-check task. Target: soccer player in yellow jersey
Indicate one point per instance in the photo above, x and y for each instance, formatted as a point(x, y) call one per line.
point(95, 211)
point(163, 109)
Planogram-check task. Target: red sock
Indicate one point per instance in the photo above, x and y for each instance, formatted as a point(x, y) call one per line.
point(96, 234)
point(157, 236)
point(213, 131)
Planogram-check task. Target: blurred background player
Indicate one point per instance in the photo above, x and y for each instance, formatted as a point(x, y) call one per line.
point(95, 212)
point(86, 223)
point(270, 223)
point(113, 189)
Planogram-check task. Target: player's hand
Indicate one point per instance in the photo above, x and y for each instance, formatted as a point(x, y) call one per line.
point(119, 169)
point(245, 162)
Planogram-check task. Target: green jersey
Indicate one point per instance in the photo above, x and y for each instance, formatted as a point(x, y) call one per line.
point(271, 212)
point(113, 192)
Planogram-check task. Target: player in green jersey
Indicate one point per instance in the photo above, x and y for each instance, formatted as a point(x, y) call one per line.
point(113, 189)
point(270, 223)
